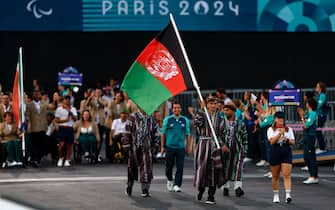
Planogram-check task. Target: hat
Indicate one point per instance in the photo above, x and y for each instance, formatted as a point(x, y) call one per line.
point(230, 106)
point(279, 114)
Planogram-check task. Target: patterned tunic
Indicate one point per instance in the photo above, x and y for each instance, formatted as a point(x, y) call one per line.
point(142, 129)
point(207, 161)
point(235, 137)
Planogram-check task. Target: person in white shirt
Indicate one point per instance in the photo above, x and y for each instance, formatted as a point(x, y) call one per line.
point(117, 130)
point(281, 138)
point(65, 116)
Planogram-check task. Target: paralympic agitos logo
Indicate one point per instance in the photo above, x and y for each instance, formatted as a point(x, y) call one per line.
point(38, 12)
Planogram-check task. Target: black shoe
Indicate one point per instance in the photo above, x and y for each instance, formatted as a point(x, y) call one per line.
point(129, 190)
point(288, 200)
point(225, 192)
point(239, 192)
point(199, 196)
point(145, 193)
point(210, 200)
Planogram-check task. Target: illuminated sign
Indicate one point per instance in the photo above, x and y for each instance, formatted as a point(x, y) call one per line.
point(152, 15)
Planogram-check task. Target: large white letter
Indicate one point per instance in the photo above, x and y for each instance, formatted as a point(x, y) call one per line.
point(106, 6)
point(138, 7)
point(122, 7)
point(163, 7)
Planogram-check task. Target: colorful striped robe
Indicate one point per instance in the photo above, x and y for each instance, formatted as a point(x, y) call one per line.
point(235, 137)
point(142, 130)
point(207, 160)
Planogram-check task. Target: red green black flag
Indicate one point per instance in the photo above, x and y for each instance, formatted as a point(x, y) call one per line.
point(158, 73)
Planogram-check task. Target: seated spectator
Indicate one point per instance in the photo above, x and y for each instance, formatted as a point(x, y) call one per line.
point(118, 129)
point(87, 135)
point(10, 138)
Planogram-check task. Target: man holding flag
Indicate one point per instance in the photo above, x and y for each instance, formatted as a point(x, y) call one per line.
point(161, 71)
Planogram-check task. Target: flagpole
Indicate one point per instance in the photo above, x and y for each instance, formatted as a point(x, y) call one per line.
point(22, 106)
point(195, 83)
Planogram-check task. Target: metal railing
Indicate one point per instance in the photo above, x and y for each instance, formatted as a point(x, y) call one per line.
point(189, 98)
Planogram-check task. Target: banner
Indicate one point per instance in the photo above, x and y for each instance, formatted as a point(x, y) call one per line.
point(151, 15)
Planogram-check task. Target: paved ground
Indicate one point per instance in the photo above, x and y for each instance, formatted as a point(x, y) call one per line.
point(102, 187)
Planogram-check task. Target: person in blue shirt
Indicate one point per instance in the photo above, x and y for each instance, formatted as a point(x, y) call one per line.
point(309, 135)
point(175, 130)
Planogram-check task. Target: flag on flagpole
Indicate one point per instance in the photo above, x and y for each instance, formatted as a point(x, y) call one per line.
point(158, 73)
point(18, 102)
point(18, 99)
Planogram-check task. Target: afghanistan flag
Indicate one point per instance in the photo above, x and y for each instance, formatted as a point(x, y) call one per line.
point(158, 73)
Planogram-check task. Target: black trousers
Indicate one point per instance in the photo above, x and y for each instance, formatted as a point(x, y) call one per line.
point(37, 145)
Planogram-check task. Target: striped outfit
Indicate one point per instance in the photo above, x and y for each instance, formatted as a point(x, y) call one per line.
point(142, 131)
point(235, 137)
point(207, 161)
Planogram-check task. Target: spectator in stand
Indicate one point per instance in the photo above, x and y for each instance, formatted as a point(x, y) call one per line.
point(11, 139)
point(118, 130)
point(87, 135)
point(250, 118)
point(307, 95)
point(222, 95)
point(65, 116)
point(131, 106)
point(97, 110)
point(309, 135)
point(55, 103)
point(322, 111)
point(5, 106)
point(36, 116)
point(84, 103)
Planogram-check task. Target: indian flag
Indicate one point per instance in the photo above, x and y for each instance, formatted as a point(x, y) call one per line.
point(158, 73)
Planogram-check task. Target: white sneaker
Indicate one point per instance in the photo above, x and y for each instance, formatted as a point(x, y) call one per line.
point(246, 160)
point(261, 163)
point(169, 185)
point(60, 162)
point(311, 180)
point(87, 154)
point(268, 174)
point(176, 188)
point(11, 163)
point(318, 151)
point(334, 168)
point(67, 163)
point(276, 198)
point(305, 168)
point(19, 163)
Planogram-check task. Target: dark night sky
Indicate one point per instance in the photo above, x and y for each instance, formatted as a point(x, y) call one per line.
point(219, 59)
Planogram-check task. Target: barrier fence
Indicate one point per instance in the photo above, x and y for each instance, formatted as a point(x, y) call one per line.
point(190, 98)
